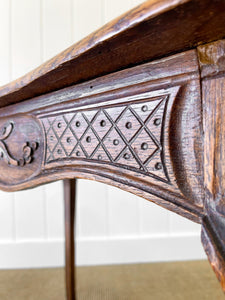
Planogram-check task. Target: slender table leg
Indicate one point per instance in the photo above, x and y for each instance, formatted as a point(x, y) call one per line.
point(70, 199)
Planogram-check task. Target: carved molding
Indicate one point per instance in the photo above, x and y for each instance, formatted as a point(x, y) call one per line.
point(21, 149)
point(28, 148)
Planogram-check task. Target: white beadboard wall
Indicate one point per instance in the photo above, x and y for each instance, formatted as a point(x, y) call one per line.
point(112, 226)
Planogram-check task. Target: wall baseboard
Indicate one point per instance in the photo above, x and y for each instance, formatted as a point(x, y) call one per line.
point(100, 251)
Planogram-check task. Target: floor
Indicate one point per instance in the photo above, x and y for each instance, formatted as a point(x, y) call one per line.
point(159, 281)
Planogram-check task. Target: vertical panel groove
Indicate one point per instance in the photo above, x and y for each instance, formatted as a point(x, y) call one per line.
point(41, 31)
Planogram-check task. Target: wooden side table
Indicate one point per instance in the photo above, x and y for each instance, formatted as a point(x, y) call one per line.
point(138, 104)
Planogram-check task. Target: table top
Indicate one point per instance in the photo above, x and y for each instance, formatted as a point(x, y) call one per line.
point(167, 27)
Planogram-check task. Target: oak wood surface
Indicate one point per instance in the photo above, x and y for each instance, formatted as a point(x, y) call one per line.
point(166, 27)
point(153, 127)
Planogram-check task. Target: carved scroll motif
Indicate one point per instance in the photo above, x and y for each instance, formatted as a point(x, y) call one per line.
point(28, 149)
point(128, 135)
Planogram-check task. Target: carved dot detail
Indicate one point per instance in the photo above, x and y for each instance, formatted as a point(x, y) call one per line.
point(52, 138)
point(59, 151)
point(68, 140)
point(88, 139)
point(103, 123)
point(144, 108)
point(158, 166)
point(157, 122)
point(99, 157)
point(77, 124)
point(34, 145)
point(115, 142)
point(59, 125)
point(126, 156)
point(26, 151)
point(128, 125)
point(144, 146)
point(78, 153)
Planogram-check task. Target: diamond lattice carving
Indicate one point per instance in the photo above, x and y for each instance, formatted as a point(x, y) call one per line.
point(127, 135)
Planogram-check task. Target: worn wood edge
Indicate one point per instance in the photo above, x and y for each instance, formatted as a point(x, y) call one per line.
point(149, 9)
point(214, 250)
point(212, 59)
point(69, 67)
